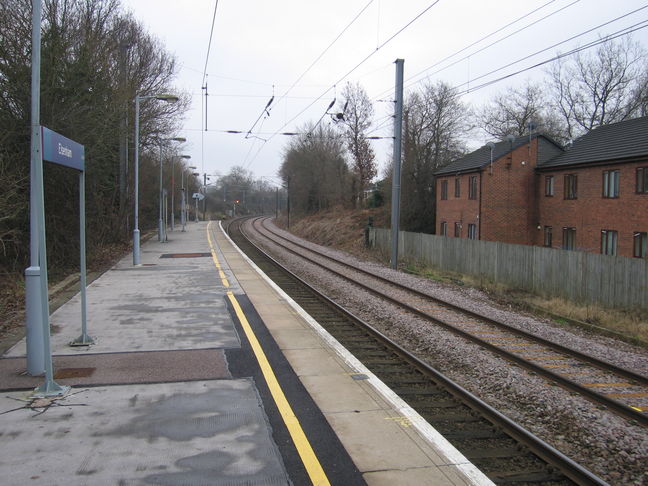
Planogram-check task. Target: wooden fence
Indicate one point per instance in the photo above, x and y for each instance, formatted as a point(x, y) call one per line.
point(619, 282)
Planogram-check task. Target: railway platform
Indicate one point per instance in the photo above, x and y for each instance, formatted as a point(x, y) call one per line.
point(203, 372)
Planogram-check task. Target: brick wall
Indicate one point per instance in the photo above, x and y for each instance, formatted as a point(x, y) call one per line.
point(590, 212)
point(457, 209)
point(507, 204)
point(508, 200)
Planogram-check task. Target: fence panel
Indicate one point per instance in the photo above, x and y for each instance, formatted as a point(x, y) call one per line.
point(578, 276)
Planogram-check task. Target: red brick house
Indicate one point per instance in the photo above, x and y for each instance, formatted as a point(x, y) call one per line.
point(490, 194)
point(592, 197)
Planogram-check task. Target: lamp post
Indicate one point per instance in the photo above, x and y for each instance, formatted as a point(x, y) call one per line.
point(161, 235)
point(169, 98)
point(183, 206)
point(186, 157)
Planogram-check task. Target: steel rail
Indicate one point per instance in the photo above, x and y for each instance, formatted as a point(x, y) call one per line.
point(604, 365)
point(546, 452)
point(615, 405)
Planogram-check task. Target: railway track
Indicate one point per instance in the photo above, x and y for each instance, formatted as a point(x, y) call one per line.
point(620, 390)
point(504, 451)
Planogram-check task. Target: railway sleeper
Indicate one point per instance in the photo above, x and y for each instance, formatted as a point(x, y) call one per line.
point(454, 417)
point(379, 361)
point(487, 433)
point(364, 345)
point(530, 476)
point(418, 391)
point(494, 453)
point(413, 380)
point(430, 407)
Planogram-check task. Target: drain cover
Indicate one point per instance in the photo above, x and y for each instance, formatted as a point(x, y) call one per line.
point(185, 255)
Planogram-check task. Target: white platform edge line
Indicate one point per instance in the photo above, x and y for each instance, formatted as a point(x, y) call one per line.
point(455, 458)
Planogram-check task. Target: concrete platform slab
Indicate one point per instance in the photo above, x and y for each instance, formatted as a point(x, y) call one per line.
point(212, 433)
point(377, 441)
point(313, 362)
point(327, 391)
point(296, 339)
point(388, 441)
point(422, 476)
point(165, 304)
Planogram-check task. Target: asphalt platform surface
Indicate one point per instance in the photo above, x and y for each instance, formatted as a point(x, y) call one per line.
point(170, 393)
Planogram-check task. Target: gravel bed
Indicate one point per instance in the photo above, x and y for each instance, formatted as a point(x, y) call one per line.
point(624, 355)
point(608, 445)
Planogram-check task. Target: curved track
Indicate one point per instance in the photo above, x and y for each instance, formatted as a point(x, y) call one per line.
point(504, 451)
point(604, 383)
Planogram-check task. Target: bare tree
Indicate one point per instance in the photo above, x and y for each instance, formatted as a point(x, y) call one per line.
point(608, 86)
point(435, 125)
point(84, 90)
point(517, 110)
point(355, 116)
point(315, 172)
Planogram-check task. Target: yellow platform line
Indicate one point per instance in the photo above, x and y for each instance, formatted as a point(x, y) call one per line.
point(221, 273)
point(309, 459)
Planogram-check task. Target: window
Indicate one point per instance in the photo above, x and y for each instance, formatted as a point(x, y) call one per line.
point(457, 187)
point(443, 230)
point(608, 242)
point(444, 190)
point(549, 185)
point(472, 187)
point(611, 183)
point(569, 238)
point(457, 230)
point(472, 231)
point(548, 236)
point(642, 180)
point(570, 186)
point(640, 245)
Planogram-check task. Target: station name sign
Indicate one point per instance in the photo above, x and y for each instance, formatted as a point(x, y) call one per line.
point(62, 151)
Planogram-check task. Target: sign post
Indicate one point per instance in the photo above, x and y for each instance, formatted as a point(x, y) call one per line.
point(197, 197)
point(68, 153)
point(57, 149)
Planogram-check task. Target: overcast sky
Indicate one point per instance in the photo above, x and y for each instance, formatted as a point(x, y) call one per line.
point(260, 48)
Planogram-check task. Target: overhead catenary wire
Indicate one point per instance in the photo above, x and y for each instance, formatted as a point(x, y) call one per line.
point(625, 31)
point(211, 34)
point(588, 31)
point(203, 86)
point(355, 18)
point(365, 59)
point(317, 59)
point(265, 112)
point(331, 104)
point(563, 42)
point(496, 31)
point(410, 81)
point(301, 76)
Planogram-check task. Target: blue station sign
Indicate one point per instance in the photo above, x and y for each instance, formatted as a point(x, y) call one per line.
point(62, 151)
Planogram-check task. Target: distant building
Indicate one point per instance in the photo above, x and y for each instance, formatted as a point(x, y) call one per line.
point(490, 194)
point(592, 197)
